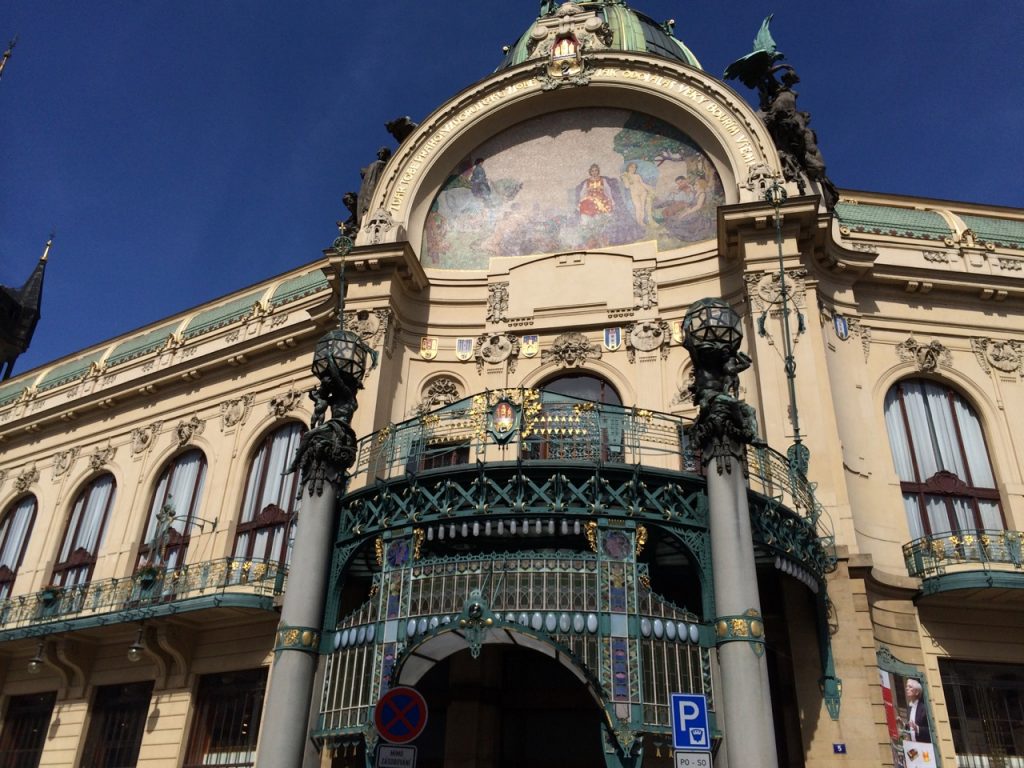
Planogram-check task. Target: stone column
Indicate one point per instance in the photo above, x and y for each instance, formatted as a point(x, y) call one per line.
point(324, 456)
point(725, 426)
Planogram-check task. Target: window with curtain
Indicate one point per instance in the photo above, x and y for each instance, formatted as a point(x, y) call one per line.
point(180, 490)
point(15, 528)
point(269, 506)
point(941, 459)
point(84, 533)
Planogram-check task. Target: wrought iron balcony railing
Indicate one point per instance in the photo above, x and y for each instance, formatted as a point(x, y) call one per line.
point(934, 555)
point(143, 590)
point(538, 426)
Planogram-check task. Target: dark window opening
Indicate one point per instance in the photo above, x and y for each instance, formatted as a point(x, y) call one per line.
point(985, 703)
point(116, 727)
point(227, 720)
point(25, 728)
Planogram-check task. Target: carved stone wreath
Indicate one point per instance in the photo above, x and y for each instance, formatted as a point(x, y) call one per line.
point(570, 350)
point(496, 348)
point(142, 437)
point(647, 336)
point(62, 461)
point(765, 290)
point(441, 391)
point(1006, 356)
point(236, 411)
point(370, 325)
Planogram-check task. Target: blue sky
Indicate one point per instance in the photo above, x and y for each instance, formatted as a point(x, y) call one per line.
point(183, 149)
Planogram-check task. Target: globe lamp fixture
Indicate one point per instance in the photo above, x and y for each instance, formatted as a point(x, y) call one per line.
point(35, 664)
point(712, 322)
point(136, 649)
point(341, 355)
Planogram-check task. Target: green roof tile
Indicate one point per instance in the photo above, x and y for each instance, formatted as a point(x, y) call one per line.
point(220, 316)
point(11, 392)
point(148, 342)
point(297, 287)
point(70, 371)
point(1002, 232)
point(890, 220)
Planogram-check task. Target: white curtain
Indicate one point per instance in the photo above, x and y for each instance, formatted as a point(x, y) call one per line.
point(933, 432)
point(14, 530)
point(974, 445)
point(938, 516)
point(86, 528)
point(913, 516)
point(898, 441)
point(268, 483)
point(181, 486)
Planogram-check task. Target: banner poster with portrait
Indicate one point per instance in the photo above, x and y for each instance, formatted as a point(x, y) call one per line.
point(908, 720)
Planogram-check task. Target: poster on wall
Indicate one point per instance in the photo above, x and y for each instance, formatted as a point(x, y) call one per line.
point(906, 715)
point(577, 179)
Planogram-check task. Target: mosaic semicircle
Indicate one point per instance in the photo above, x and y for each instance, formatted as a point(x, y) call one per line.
point(573, 180)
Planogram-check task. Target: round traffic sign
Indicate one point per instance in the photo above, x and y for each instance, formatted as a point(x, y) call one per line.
point(400, 715)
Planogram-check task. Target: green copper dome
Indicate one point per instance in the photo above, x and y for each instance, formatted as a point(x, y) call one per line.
point(630, 31)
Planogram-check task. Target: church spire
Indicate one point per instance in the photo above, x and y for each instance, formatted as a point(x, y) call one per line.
point(20, 310)
point(7, 54)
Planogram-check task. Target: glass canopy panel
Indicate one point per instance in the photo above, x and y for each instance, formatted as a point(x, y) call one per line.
point(577, 179)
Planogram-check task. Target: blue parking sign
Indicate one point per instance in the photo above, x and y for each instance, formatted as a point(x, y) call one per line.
point(690, 721)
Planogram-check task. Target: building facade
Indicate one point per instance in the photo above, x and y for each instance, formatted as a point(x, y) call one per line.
point(525, 536)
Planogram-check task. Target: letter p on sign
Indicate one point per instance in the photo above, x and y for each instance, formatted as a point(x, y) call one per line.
point(690, 721)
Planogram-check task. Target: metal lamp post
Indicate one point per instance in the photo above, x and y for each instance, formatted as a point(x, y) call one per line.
point(325, 454)
point(725, 426)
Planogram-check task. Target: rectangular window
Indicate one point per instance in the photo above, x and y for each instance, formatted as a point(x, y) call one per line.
point(25, 727)
point(227, 719)
point(986, 712)
point(116, 727)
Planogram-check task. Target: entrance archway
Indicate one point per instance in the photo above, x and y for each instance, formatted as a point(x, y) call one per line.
point(509, 707)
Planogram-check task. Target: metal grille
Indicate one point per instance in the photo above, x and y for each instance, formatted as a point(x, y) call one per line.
point(25, 727)
point(986, 713)
point(115, 730)
point(227, 720)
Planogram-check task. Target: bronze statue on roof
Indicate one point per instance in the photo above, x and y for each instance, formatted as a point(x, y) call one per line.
point(795, 140)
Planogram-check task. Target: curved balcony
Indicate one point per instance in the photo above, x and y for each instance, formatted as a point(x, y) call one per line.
point(530, 453)
point(968, 559)
point(147, 593)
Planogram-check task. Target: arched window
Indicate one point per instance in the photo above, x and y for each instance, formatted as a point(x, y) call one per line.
point(84, 533)
point(583, 386)
point(941, 459)
point(574, 431)
point(15, 528)
point(179, 490)
point(270, 504)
